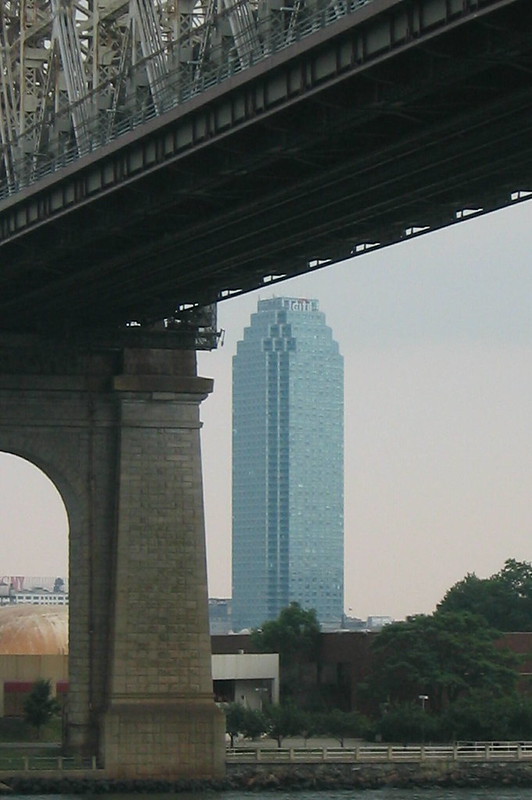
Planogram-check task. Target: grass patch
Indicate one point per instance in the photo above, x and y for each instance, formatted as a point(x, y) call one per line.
point(14, 729)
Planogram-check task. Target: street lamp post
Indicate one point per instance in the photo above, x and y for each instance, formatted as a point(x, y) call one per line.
point(423, 698)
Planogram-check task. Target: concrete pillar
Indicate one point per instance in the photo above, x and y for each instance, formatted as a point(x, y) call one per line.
point(160, 683)
point(117, 431)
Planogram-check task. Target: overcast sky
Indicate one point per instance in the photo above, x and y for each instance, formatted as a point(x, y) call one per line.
point(436, 335)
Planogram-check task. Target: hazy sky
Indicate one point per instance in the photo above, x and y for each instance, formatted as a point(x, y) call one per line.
point(436, 335)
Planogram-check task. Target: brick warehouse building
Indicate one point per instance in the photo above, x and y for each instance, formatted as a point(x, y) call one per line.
point(344, 661)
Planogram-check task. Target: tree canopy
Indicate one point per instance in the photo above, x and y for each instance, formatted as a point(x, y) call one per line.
point(295, 635)
point(439, 657)
point(40, 706)
point(235, 720)
point(343, 724)
point(504, 599)
point(284, 720)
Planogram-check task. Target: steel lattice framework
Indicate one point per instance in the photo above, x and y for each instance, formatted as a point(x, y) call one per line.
point(73, 71)
point(250, 144)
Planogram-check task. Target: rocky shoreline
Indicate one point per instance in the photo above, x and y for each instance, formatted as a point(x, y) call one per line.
point(314, 777)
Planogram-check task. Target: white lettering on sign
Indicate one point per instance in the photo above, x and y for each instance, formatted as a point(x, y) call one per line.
point(16, 581)
point(302, 305)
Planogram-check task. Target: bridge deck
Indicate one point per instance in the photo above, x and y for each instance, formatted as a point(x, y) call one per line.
point(401, 117)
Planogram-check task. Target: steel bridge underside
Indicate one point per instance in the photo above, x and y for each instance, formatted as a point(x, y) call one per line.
point(403, 116)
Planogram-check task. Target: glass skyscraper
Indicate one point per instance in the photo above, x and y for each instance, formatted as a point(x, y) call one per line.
point(288, 529)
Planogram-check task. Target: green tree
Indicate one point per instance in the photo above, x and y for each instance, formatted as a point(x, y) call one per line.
point(504, 599)
point(443, 657)
point(235, 720)
point(254, 723)
point(342, 725)
point(482, 717)
point(295, 635)
point(40, 706)
point(284, 720)
point(408, 722)
point(310, 724)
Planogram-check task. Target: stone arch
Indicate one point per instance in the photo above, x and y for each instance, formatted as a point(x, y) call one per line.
point(24, 465)
point(117, 431)
point(55, 418)
point(44, 464)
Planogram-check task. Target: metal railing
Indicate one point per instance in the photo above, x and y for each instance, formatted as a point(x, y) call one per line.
point(15, 762)
point(377, 753)
point(359, 754)
point(178, 86)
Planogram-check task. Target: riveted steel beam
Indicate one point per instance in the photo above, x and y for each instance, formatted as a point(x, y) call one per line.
point(403, 117)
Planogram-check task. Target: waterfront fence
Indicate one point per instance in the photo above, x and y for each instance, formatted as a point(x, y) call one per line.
point(16, 763)
point(384, 753)
point(359, 754)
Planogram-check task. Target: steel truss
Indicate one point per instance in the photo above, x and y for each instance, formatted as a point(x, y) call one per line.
point(384, 127)
point(69, 67)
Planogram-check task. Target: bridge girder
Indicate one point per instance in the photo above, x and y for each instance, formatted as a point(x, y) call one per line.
point(358, 136)
point(68, 65)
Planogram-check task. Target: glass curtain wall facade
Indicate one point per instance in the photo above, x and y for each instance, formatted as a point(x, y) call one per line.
point(288, 528)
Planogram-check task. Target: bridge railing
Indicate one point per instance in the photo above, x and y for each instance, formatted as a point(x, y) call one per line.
point(359, 754)
point(376, 753)
point(15, 762)
point(178, 86)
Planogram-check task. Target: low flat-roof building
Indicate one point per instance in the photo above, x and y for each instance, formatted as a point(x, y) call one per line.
point(34, 646)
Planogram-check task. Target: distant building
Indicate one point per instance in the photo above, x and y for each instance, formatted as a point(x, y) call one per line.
point(220, 617)
point(346, 660)
point(40, 598)
point(34, 645)
point(376, 623)
point(251, 679)
point(287, 465)
point(353, 623)
point(372, 623)
point(21, 589)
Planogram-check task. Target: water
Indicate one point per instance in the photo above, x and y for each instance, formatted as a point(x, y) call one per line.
point(343, 794)
point(384, 794)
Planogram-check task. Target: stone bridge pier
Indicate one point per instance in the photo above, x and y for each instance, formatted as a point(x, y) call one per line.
point(117, 431)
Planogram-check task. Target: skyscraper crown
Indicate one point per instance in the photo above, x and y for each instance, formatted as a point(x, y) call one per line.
point(289, 304)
